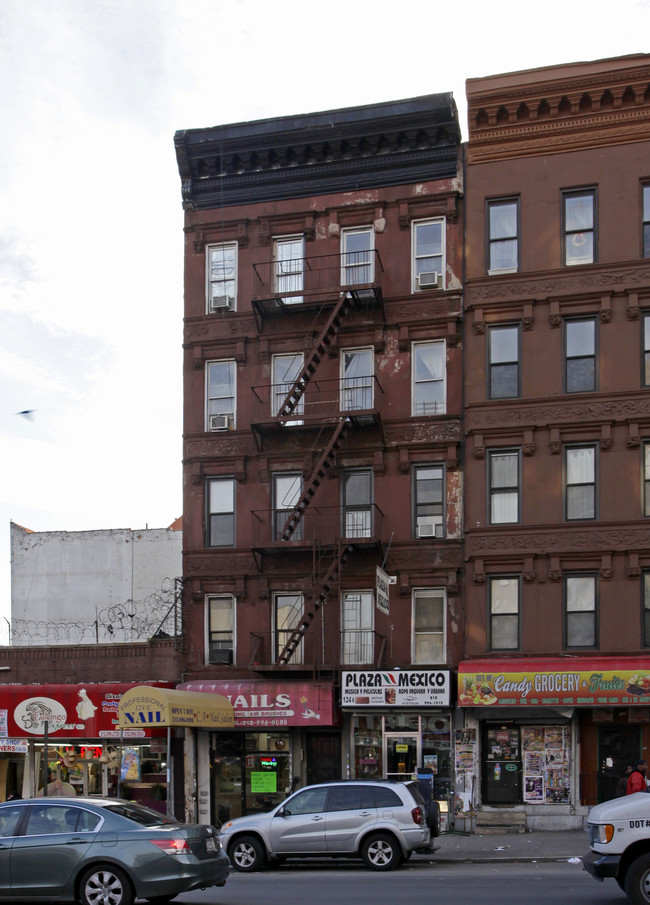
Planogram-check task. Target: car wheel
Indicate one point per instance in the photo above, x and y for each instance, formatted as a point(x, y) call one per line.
point(246, 854)
point(433, 817)
point(381, 852)
point(637, 881)
point(104, 884)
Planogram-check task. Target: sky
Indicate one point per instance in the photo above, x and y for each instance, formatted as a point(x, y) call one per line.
point(91, 221)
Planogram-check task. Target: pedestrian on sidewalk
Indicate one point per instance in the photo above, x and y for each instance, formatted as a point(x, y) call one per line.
point(621, 785)
point(636, 780)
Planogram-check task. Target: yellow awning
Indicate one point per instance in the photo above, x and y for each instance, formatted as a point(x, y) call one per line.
point(144, 706)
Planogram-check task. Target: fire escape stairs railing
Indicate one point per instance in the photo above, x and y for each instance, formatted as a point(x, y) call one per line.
point(312, 361)
point(320, 471)
point(319, 598)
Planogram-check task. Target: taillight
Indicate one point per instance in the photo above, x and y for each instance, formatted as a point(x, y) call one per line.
point(418, 815)
point(171, 846)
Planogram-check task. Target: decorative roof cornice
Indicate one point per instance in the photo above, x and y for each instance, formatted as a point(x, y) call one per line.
point(393, 143)
point(559, 108)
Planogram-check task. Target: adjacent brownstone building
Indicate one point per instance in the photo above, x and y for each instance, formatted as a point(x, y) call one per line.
point(557, 424)
point(322, 435)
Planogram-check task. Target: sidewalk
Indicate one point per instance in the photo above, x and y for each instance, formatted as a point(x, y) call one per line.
point(548, 845)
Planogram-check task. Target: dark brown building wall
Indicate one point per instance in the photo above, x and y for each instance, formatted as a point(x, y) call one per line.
point(158, 661)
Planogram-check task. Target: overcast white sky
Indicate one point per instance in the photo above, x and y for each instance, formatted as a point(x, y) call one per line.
point(91, 241)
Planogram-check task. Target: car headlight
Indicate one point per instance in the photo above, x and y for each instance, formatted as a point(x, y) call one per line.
point(601, 833)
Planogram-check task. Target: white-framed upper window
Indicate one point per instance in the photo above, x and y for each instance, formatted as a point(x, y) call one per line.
point(428, 249)
point(357, 382)
point(428, 619)
point(287, 613)
point(220, 629)
point(289, 268)
point(503, 235)
point(220, 394)
point(285, 371)
point(220, 514)
point(429, 383)
point(287, 492)
point(357, 256)
point(358, 622)
point(221, 276)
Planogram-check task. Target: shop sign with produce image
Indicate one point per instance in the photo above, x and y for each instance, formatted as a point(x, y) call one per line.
point(485, 683)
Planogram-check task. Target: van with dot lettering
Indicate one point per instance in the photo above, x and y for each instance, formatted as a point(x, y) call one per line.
point(619, 843)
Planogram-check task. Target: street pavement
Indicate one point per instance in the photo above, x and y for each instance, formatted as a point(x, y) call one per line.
point(547, 845)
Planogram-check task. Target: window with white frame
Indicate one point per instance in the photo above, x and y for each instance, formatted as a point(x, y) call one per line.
point(504, 593)
point(503, 366)
point(287, 491)
point(220, 512)
point(220, 395)
point(429, 389)
point(287, 612)
point(221, 629)
point(580, 360)
point(357, 256)
point(580, 482)
point(646, 479)
point(358, 614)
point(428, 246)
point(503, 235)
point(429, 500)
point(579, 227)
point(356, 489)
point(580, 610)
point(285, 371)
point(289, 268)
point(504, 479)
point(221, 271)
point(429, 645)
point(357, 381)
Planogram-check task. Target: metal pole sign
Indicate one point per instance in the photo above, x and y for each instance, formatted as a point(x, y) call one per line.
point(381, 591)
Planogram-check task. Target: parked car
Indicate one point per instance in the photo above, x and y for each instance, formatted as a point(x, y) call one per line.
point(382, 822)
point(103, 850)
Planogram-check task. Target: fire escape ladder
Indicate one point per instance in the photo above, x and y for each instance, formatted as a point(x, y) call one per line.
point(320, 471)
point(312, 361)
point(319, 598)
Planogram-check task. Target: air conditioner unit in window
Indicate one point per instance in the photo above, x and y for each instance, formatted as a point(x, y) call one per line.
point(221, 422)
point(429, 280)
point(221, 302)
point(430, 529)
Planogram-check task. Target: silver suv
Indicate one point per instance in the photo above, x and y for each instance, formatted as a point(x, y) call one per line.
point(382, 822)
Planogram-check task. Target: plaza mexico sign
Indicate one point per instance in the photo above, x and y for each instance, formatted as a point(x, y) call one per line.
point(589, 682)
point(395, 688)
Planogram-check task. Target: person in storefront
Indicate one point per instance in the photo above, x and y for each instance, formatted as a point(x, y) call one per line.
point(621, 785)
point(636, 781)
point(14, 795)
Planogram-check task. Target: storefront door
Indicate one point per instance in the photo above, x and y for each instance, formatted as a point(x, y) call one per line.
point(502, 767)
point(618, 746)
point(402, 755)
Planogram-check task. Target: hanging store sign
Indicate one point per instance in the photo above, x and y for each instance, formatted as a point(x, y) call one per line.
point(382, 582)
point(396, 688)
point(583, 682)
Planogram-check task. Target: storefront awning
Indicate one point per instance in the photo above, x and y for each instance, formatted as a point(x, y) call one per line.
point(565, 681)
point(147, 706)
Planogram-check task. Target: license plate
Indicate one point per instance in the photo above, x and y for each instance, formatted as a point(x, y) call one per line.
point(210, 844)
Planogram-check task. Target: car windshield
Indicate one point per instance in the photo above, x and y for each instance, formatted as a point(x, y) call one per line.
point(143, 816)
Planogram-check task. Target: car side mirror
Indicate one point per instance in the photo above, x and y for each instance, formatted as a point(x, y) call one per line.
point(283, 812)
